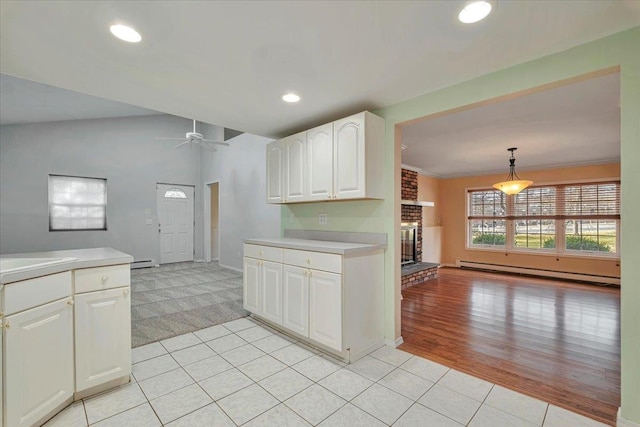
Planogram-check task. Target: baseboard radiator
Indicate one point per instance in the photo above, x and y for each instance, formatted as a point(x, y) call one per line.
point(609, 280)
point(142, 264)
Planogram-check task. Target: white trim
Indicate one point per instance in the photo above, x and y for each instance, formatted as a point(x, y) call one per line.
point(207, 219)
point(411, 168)
point(539, 272)
point(621, 422)
point(239, 270)
point(394, 343)
point(529, 169)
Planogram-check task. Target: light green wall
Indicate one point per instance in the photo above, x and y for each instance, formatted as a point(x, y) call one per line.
point(622, 49)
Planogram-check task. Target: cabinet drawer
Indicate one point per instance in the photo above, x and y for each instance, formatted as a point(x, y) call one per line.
point(101, 278)
point(315, 260)
point(31, 293)
point(267, 253)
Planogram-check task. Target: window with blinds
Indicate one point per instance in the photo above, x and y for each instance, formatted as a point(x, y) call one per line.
point(564, 218)
point(77, 203)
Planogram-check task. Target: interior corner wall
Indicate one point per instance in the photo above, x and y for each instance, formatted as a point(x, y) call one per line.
point(616, 51)
point(454, 221)
point(244, 213)
point(429, 190)
point(122, 150)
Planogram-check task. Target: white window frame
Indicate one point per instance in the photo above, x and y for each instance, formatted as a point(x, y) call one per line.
point(559, 228)
point(52, 203)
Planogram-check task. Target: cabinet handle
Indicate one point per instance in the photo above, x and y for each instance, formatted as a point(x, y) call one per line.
point(7, 325)
point(329, 196)
point(105, 278)
point(306, 272)
point(125, 292)
point(310, 273)
point(261, 253)
point(308, 260)
point(70, 302)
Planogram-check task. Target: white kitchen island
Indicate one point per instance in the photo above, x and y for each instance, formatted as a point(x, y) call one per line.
point(66, 326)
point(327, 293)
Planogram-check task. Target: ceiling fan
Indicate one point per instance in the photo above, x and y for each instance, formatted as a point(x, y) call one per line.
point(194, 138)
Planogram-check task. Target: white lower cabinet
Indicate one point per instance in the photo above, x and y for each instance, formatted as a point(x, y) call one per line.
point(103, 337)
point(262, 288)
point(325, 308)
point(271, 291)
point(251, 285)
point(295, 299)
point(38, 362)
point(331, 300)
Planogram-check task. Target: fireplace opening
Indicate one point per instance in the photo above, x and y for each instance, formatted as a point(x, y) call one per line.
point(409, 243)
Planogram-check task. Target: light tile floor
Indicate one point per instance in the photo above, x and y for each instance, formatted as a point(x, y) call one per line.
point(244, 373)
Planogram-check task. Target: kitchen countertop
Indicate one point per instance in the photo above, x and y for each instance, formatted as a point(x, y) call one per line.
point(62, 261)
point(341, 248)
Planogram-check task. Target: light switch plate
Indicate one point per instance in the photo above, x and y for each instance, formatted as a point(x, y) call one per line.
point(148, 221)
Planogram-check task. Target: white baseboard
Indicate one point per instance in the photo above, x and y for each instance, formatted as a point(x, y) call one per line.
point(198, 260)
point(239, 270)
point(394, 343)
point(621, 422)
point(448, 265)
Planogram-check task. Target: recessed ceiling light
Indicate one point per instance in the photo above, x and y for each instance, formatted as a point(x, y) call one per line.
point(290, 97)
point(474, 12)
point(125, 33)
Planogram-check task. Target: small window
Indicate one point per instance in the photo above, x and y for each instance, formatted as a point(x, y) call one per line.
point(175, 193)
point(77, 203)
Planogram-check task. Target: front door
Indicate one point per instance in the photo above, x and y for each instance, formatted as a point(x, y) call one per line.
point(175, 222)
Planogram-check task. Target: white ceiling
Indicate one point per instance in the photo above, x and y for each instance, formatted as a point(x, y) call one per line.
point(228, 62)
point(23, 101)
point(576, 124)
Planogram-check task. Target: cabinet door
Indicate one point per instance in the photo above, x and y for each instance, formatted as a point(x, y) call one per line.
point(271, 291)
point(275, 171)
point(251, 285)
point(348, 157)
point(320, 162)
point(38, 362)
point(325, 308)
point(294, 170)
point(295, 299)
point(103, 337)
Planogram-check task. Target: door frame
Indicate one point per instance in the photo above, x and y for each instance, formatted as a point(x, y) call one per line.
point(207, 219)
point(159, 242)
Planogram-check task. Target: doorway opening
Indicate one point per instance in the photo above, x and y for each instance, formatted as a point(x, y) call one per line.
point(212, 221)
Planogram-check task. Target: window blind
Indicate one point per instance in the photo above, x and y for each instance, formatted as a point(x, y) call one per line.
point(77, 203)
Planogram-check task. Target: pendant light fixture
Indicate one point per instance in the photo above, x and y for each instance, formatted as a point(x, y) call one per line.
point(513, 184)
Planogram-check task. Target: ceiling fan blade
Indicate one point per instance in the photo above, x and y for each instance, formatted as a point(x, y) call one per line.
point(182, 143)
point(206, 146)
point(173, 139)
point(216, 142)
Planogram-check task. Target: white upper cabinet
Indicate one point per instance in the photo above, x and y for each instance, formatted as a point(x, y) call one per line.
point(348, 158)
point(275, 171)
point(320, 162)
point(294, 161)
point(340, 160)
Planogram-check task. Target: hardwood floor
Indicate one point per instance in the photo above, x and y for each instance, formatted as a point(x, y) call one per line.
point(553, 340)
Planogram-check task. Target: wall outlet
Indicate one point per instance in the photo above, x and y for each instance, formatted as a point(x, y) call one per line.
point(322, 219)
point(148, 221)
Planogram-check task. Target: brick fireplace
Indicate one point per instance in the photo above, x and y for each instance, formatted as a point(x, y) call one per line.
point(418, 272)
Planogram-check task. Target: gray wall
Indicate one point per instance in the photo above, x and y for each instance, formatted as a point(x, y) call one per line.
point(123, 150)
point(243, 212)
